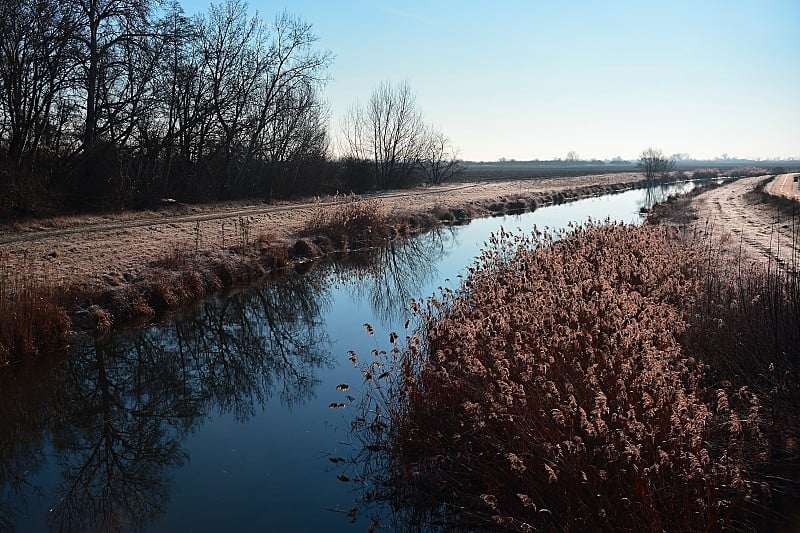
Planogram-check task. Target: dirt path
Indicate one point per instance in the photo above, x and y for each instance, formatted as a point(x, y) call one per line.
point(757, 229)
point(110, 250)
point(786, 185)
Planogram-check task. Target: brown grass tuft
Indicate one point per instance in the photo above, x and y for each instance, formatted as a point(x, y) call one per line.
point(350, 223)
point(32, 318)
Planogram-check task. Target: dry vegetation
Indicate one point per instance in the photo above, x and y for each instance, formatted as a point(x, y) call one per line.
point(192, 271)
point(37, 317)
point(33, 320)
point(614, 378)
point(349, 223)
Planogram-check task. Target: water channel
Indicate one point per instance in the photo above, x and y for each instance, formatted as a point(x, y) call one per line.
point(229, 417)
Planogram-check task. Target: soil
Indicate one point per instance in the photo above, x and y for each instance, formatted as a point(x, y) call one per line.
point(104, 251)
point(756, 228)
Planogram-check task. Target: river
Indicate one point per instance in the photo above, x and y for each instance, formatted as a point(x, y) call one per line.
point(231, 416)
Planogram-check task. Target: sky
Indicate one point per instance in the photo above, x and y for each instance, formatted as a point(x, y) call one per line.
point(537, 79)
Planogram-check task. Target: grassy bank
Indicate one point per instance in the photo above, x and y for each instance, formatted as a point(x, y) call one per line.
point(32, 312)
point(615, 378)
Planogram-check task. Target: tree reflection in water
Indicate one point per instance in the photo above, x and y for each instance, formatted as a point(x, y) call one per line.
point(108, 423)
point(390, 276)
point(116, 412)
point(660, 192)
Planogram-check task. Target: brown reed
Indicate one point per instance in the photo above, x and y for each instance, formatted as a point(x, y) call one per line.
point(32, 318)
point(350, 222)
point(565, 386)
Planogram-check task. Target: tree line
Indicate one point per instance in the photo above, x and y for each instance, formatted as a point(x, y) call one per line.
point(118, 103)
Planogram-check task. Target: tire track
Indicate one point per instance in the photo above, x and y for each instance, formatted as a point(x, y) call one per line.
point(761, 232)
point(45, 234)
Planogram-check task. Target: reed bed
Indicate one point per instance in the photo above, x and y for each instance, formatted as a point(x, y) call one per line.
point(32, 318)
point(579, 381)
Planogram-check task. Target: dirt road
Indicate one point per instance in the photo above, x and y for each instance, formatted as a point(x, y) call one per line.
point(111, 250)
point(756, 228)
point(786, 185)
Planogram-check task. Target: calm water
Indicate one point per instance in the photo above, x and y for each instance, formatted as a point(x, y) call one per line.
point(222, 419)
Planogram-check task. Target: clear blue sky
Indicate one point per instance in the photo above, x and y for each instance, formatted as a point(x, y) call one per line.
point(536, 79)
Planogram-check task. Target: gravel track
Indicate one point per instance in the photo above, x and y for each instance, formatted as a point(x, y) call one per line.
point(757, 229)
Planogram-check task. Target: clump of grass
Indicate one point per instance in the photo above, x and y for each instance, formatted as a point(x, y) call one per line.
point(272, 252)
point(350, 222)
point(554, 390)
point(32, 319)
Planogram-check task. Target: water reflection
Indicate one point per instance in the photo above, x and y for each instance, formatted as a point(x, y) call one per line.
point(26, 412)
point(113, 415)
point(660, 192)
point(389, 277)
point(100, 437)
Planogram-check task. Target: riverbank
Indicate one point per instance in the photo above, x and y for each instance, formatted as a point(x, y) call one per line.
point(102, 252)
point(103, 272)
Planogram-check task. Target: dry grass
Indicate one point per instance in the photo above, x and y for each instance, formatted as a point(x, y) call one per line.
point(571, 385)
point(32, 319)
point(350, 223)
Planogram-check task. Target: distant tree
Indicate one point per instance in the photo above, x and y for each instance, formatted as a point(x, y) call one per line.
point(439, 158)
point(654, 163)
point(390, 133)
point(572, 156)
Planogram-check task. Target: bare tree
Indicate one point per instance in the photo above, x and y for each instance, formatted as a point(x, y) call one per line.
point(439, 158)
point(33, 69)
point(654, 163)
point(113, 51)
point(389, 132)
point(154, 102)
point(294, 70)
point(264, 81)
